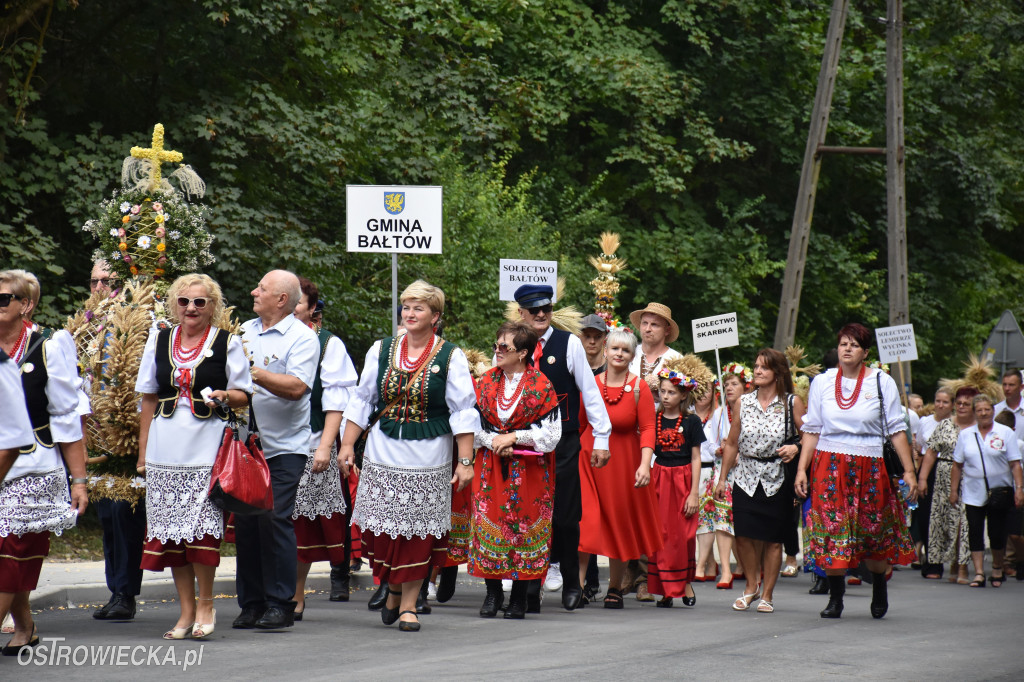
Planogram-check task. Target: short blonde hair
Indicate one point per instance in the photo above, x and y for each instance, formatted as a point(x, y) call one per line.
point(423, 291)
point(213, 292)
point(621, 334)
point(23, 284)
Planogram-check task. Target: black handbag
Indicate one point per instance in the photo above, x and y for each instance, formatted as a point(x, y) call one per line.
point(792, 438)
point(999, 497)
point(891, 459)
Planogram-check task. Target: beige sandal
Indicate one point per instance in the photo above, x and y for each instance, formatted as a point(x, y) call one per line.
point(743, 603)
point(765, 606)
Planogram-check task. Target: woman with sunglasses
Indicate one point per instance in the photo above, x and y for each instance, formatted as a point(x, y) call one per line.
point(513, 484)
point(34, 496)
point(179, 435)
point(947, 523)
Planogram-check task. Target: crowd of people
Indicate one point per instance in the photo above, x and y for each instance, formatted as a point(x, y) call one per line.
point(555, 450)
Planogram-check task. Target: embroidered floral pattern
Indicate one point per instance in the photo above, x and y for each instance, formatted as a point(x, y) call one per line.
point(177, 506)
point(36, 503)
point(319, 494)
point(400, 501)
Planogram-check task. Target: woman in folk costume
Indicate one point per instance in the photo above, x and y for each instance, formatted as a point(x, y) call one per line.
point(179, 436)
point(420, 387)
point(320, 523)
point(514, 481)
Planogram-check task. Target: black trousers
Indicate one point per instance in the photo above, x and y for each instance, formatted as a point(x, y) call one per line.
point(124, 534)
point(568, 508)
point(267, 553)
point(923, 514)
point(997, 524)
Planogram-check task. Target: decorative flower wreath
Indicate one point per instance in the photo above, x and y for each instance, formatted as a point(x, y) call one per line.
point(875, 364)
point(680, 380)
point(744, 373)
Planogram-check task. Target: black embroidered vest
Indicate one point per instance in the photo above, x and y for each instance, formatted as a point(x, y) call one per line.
point(317, 418)
point(34, 384)
point(210, 371)
point(554, 365)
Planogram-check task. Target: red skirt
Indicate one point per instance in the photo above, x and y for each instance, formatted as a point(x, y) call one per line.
point(156, 555)
point(322, 539)
point(458, 537)
point(21, 560)
point(402, 559)
point(672, 567)
point(356, 550)
point(855, 514)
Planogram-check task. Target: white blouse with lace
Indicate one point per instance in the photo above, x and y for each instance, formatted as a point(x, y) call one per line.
point(858, 430)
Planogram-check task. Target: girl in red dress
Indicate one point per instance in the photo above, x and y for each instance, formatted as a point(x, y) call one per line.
point(620, 513)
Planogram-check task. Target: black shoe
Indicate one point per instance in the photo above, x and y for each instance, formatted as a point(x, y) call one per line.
point(689, 601)
point(408, 625)
point(834, 608)
point(275, 618)
point(533, 596)
point(15, 650)
point(820, 585)
point(101, 612)
point(422, 605)
point(389, 616)
point(879, 596)
point(494, 599)
point(664, 603)
point(339, 584)
point(571, 597)
point(836, 590)
point(376, 602)
point(516, 610)
point(247, 618)
point(297, 616)
point(590, 593)
point(122, 607)
point(446, 583)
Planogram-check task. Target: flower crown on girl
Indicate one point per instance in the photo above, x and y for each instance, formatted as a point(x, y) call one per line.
point(680, 380)
point(689, 373)
point(745, 374)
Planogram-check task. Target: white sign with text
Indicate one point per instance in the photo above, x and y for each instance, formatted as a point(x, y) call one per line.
point(896, 344)
point(514, 273)
point(720, 331)
point(393, 218)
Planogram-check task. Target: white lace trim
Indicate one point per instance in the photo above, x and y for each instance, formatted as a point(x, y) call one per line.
point(404, 501)
point(177, 506)
point(36, 503)
point(319, 494)
point(841, 448)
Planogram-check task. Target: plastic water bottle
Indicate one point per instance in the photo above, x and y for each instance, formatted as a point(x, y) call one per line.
point(905, 493)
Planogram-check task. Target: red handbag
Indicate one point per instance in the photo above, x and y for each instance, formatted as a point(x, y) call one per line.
point(240, 480)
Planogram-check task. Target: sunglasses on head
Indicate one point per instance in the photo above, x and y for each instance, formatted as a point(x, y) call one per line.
point(199, 302)
point(5, 299)
point(503, 348)
point(536, 310)
point(105, 281)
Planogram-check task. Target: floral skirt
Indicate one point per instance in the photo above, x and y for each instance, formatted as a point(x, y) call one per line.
point(706, 512)
point(947, 525)
point(855, 514)
point(462, 521)
point(512, 505)
point(723, 508)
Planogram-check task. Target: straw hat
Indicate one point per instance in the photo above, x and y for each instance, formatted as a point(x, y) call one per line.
point(661, 311)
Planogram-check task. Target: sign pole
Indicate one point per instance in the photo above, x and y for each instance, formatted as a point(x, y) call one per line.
point(394, 294)
point(718, 366)
point(903, 385)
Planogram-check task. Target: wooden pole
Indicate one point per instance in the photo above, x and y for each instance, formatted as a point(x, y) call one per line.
point(789, 305)
point(895, 178)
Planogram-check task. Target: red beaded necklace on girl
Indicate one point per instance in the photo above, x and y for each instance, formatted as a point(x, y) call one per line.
point(668, 439)
point(182, 355)
point(847, 403)
point(604, 389)
point(504, 403)
point(403, 354)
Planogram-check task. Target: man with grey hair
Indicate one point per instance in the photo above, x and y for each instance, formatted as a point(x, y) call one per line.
point(283, 353)
point(102, 277)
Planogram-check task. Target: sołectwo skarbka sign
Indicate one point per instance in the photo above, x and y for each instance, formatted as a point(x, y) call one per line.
point(393, 218)
point(719, 331)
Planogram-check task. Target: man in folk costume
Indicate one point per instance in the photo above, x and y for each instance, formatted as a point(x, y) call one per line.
point(560, 356)
point(657, 330)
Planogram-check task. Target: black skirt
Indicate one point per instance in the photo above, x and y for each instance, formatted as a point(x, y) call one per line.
point(760, 517)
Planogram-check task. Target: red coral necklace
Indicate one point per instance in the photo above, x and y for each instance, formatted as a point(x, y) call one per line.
point(182, 355)
point(847, 403)
point(668, 439)
point(504, 403)
point(604, 389)
point(404, 354)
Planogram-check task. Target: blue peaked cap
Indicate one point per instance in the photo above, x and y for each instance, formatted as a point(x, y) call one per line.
point(533, 295)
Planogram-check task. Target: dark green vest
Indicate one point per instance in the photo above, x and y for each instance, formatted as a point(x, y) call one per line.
point(317, 419)
point(422, 412)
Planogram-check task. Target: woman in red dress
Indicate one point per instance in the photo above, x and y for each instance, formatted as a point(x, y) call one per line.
point(620, 512)
point(513, 484)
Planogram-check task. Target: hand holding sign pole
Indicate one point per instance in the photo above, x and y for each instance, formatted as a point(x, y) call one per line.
point(720, 331)
point(897, 344)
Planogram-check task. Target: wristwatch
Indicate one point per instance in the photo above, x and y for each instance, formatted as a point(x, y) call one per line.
point(465, 461)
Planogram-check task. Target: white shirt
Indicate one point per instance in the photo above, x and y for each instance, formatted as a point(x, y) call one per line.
point(1018, 415)
point(590, 394)
point(1000, 448)
point(925, 430)
point(289, 347)
point(338, 377)
point(634, 364)
point(15, 428)
point(716, 430)
point(858, 430)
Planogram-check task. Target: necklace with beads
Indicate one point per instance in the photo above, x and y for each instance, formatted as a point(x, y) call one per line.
point(506, 404)
point(847, 403)
point(183, 355)
point(403, 354)
point(670, 438)
point(604, 389)
point(19, 344)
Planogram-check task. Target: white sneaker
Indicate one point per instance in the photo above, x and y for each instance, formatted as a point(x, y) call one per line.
point(553, 581)
point(506, 585)
point(432, 591)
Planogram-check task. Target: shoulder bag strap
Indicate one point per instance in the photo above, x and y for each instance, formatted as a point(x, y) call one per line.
point(881, 407)
point(31, 349)
point(981, 455)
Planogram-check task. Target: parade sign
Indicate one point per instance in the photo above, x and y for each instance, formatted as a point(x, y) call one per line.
point(896, 344)
point(513, 274)
point(393, 218)
point(720, 331)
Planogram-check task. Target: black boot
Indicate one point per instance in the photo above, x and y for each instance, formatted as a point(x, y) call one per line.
point(339, 583)
point(836, 590)
point(376, 602)
point(494, 599)
point(101, 612)
point(879, 596)
point(446, 583)
point(572, 591)
point(533, 596)
point(422, 606)
point(820, 585)
point(122, 607)
point(517, 601)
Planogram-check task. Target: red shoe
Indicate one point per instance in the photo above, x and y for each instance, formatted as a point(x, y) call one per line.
point(726, 585)
point(853, 580)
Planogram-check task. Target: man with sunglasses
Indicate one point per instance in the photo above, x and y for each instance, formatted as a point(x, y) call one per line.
point(102, 279)
point(559, 355)
point(15, 428)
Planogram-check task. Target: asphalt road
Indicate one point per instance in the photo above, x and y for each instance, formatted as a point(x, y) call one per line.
point(934, 631)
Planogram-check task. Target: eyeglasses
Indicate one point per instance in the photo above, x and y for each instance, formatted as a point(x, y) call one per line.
point(105, 281)
point(503, 348)
point(199, 302)
point(536, 310)
point(5, 299)
point(963, 403)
